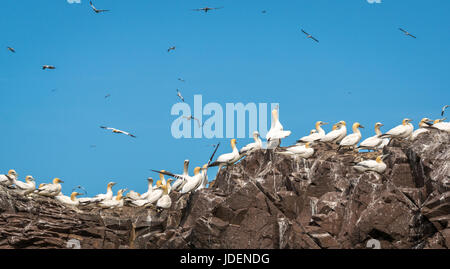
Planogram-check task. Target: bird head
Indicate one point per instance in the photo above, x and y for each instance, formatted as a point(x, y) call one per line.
point(357, 125)
point(150, 180)
point(379, 159)
point(233, 143)
point(57, 180)
point(406, 121)
point(313, 131)
point(308, 145)
point(161, 176)
point(197, 170)
point(320, 123)
point(29, 179)
point(378, 124)
point(12, 172)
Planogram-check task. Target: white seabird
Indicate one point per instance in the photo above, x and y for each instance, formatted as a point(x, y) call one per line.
point(303, 151)
point(423, 124)
point(252, 146)
point(26, 187)
point(70, 201)
point(117, 201)
point(228, 158)
point(165, 202)
point(372, 165)
point(401, 131)
point(100, 197)
point(149, 190)
point(352, 140)
point(9, 179)
point(373, 142)
point(179, 183)
point(315, 136)
point(338, 132)
point(441, 125)
point(51, 189)
point(276, 132)
point(194, 182)
point(117, 131)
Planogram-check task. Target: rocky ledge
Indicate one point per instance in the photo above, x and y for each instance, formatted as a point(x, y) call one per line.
point(266, 201)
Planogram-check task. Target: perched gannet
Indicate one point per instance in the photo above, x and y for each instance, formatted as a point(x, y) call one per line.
point(303, 151)
point(117, 131)
point(252, 146)
point(165, 202)
point(373, 142)
point(309, 36)
point(194, 182)
point(352, 140)
point(228, 158)
point(406, 33)
point(71, 201)
point(423, 124)
point(372, 165)
point(204, 177)
point(100, 197)
point(151, 197)
point(117, 201)
point(179, 183)
point(156, 193)
point(51, 189)
point(133, 195)
point(9, 179)
point(161, 181)
point(97, 10)
point(441, 125)
point(26, 187)
point(338, 132)
point(315, 136)
point(401, 131)
point(48, 67)
point(276, 130)
point(149, 190)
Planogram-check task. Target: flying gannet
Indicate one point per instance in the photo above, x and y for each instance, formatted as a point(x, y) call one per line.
point(352, 140)
point(165, 202)
point(9, 179)
point(70, 201)
point(100, 197)
point(117, 131)
point(443, 110)
point(309, 36)
point(97, 10)
point(50, 189)
point(179, 95)
point(228, 158)
point(206, 9)
point(193, 118)
point(372, 165)
point(338, 132)
point(276, 131)
point(373, 142)
point(401, 131)
point(315, 136)
point(48, 67)
point(11, 49)
point(406, 33)
point(304, 151)
point(423, 124)
point(26, 187)
point(252, 146)
point(171, 48)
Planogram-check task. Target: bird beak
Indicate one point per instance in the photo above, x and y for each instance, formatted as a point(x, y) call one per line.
point(324, 123)
point(360, 126)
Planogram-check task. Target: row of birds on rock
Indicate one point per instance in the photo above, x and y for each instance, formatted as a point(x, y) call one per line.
point(158, 194)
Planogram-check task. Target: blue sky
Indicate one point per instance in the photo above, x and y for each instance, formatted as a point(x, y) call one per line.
point(364, 69)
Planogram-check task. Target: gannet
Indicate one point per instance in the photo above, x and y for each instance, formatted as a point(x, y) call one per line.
point(425, 122)
point(171, 48)
point(117, 131)
point(178, 184)
point(204, 173)
point(315, 136)
point(48, 67)
point(228, 158)
point(11, 49)
point(276, 131)
point(401, 131)
point(182, 80)
point(97, 10)
point(441, 125)
point(194, 182)
point(372, 165)
point(26, 187)
point(194, 118)
point(373, 142)
point(51, 189)
point(309, 36)
point(161, 181)
point(406, 33)
point(180, 96)
point(352, 140)
point(443, 110)
point(133, 195)
point(156, 193)
point(9, 179)
point(304, 151)
point(71, 201)
point(100, 197)
point(252, 146)
point(338, 132)
point(149, 190)
point(206, 9)
point(165, 202)
point(117, 201)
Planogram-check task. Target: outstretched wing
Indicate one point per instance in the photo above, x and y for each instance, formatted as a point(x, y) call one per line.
point(212, 156)
point(314, 39)
point(305, 32)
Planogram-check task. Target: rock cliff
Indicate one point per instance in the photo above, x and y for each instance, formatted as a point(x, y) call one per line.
point(266, 201)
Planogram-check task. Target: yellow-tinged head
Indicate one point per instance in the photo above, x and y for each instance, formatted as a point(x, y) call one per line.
point(378, 125)
point(197, 170)
point(406, 121)
point(29, 179)
point(12, 172)
point(205, 166)
point(158, 183)
point(57, 180)
point(308, 145)
point(335, 126)
point(357, 125)
point(120, 194)
point(313, 131)
point(320, 123)
point(275, 114)
point(379, 159)
point(150, 180)
point(110, 184)
point(74, 195)
point(233, 143)
point(343, 123)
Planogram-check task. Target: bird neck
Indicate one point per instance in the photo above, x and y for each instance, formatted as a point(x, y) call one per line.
point(377, 130)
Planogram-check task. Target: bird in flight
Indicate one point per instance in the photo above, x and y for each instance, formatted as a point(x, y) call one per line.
point(171, 48)
point(406, 33)
point(193, 118)
point(117, 131)
point(310, 36)
point(179, 95)
point(206, 9)
point(48, 67)
point(97, 10)
point(443, 109)
point(11, 49)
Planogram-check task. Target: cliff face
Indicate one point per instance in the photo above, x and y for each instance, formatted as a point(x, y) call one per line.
point(266, 201)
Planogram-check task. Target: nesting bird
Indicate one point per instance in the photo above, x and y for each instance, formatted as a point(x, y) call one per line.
point(26, 187)
point(100, 197)
point(441, 125)
point(401, 131)
point(228, 158)
point(338, 132)
point(423, 124)
point(351, 140)
point(70, 201)
point(373, 142)
point(304, 151)
point(276, 132)
point(315, 136)
point(9, 179)
point(372, 165)
point(179, 183)
point(252, 146)
point(117, 201)
point(165, 202)
point(50, 189)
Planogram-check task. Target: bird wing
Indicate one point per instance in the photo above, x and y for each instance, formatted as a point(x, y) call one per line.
point(412, 35)
point(304, 32)
point(108, 128)
point(314, 39)
point(402, 30)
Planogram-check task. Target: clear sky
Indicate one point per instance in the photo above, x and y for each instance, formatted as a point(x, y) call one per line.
point(364, 69)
